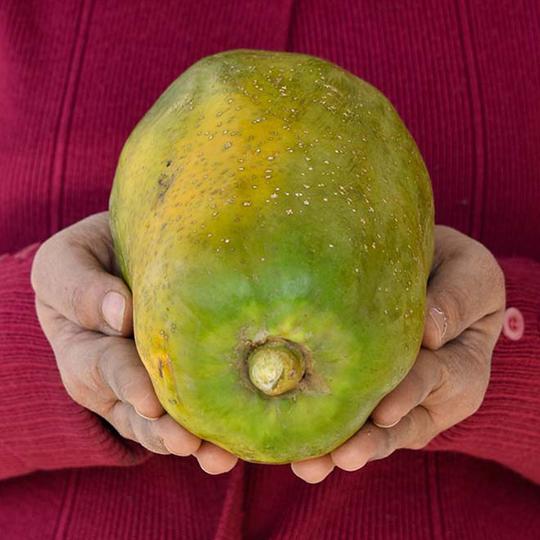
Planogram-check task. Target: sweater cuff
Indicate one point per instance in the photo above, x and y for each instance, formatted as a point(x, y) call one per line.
point(506, 428)
point(40, 426)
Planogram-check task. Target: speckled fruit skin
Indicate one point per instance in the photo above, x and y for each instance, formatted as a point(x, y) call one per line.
point(273, 194)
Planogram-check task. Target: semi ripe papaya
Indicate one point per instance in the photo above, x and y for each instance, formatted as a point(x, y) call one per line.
point(273, 218)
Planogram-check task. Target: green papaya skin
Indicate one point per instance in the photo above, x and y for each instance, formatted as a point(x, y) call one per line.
point(273, 218)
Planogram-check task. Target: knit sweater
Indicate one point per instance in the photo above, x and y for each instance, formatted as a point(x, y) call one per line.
point(75, 77)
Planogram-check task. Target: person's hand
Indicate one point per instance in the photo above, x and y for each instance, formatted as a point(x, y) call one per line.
point(465, 306)
point(86, 314)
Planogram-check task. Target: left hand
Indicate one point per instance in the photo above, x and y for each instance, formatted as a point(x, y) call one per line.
point(464, 314)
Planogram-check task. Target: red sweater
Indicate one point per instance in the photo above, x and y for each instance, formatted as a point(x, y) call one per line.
point(74, 79)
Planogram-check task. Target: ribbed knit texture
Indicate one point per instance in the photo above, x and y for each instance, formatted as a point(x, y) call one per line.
point(38, 420)
point(75, 77)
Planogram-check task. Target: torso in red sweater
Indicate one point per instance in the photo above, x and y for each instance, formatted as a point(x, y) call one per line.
point(74, 80)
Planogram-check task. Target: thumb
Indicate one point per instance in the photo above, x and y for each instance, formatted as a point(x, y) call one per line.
point(117, 312)
point(466, 286)
point(71, 274)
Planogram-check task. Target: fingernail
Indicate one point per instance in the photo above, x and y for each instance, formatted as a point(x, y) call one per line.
point(439, 318)
point(152, 419)
point(386, 426)
point(113, 307)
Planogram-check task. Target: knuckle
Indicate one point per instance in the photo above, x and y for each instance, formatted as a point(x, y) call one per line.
point(486, 260)
point(449, 364)
point(154, 444)
point(419, 428)
point(386, 447)
point(117, 415)
point(491, 271)
point(94, 395)
point(417, 444)
point(478, 361)
point(47, 252)
point(468, 384)
point(148, 437)
point(104, 364)
point(410, 423)
point(455, 305)
point(76, 301)
point(439, 375)
point(480, 367)
point(123, 427)
point(390, 440)
point(81, 394)
point(476, 404)
point(421, 441)
point(115, 371)
point(129, 389)
point(475, 397)
point(94, 380)
point(457, 378)
point(36, 275)
point(74, 389)
point(69, 375)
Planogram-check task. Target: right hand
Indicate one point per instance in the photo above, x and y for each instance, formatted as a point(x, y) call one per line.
point(85, 311)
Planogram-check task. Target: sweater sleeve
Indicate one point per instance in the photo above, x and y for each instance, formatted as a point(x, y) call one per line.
point(40, 426)
point(506, 428)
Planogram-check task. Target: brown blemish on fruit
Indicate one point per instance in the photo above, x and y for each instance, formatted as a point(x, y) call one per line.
point(165, 366)
point(164, 183)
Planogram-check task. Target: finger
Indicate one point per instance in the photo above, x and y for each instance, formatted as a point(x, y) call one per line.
point(466, 285)
point(213, 459)
point(314, 470)
point(100, 370)
point(176, 439)
point(466, 363)
point(162, 436)
point(413, 431)
point(72, 274)
point(354, 453)
point(425, 377)
point(131, 426)
point(123, 371)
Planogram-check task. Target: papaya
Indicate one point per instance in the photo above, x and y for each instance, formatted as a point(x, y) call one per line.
point(273, 218)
